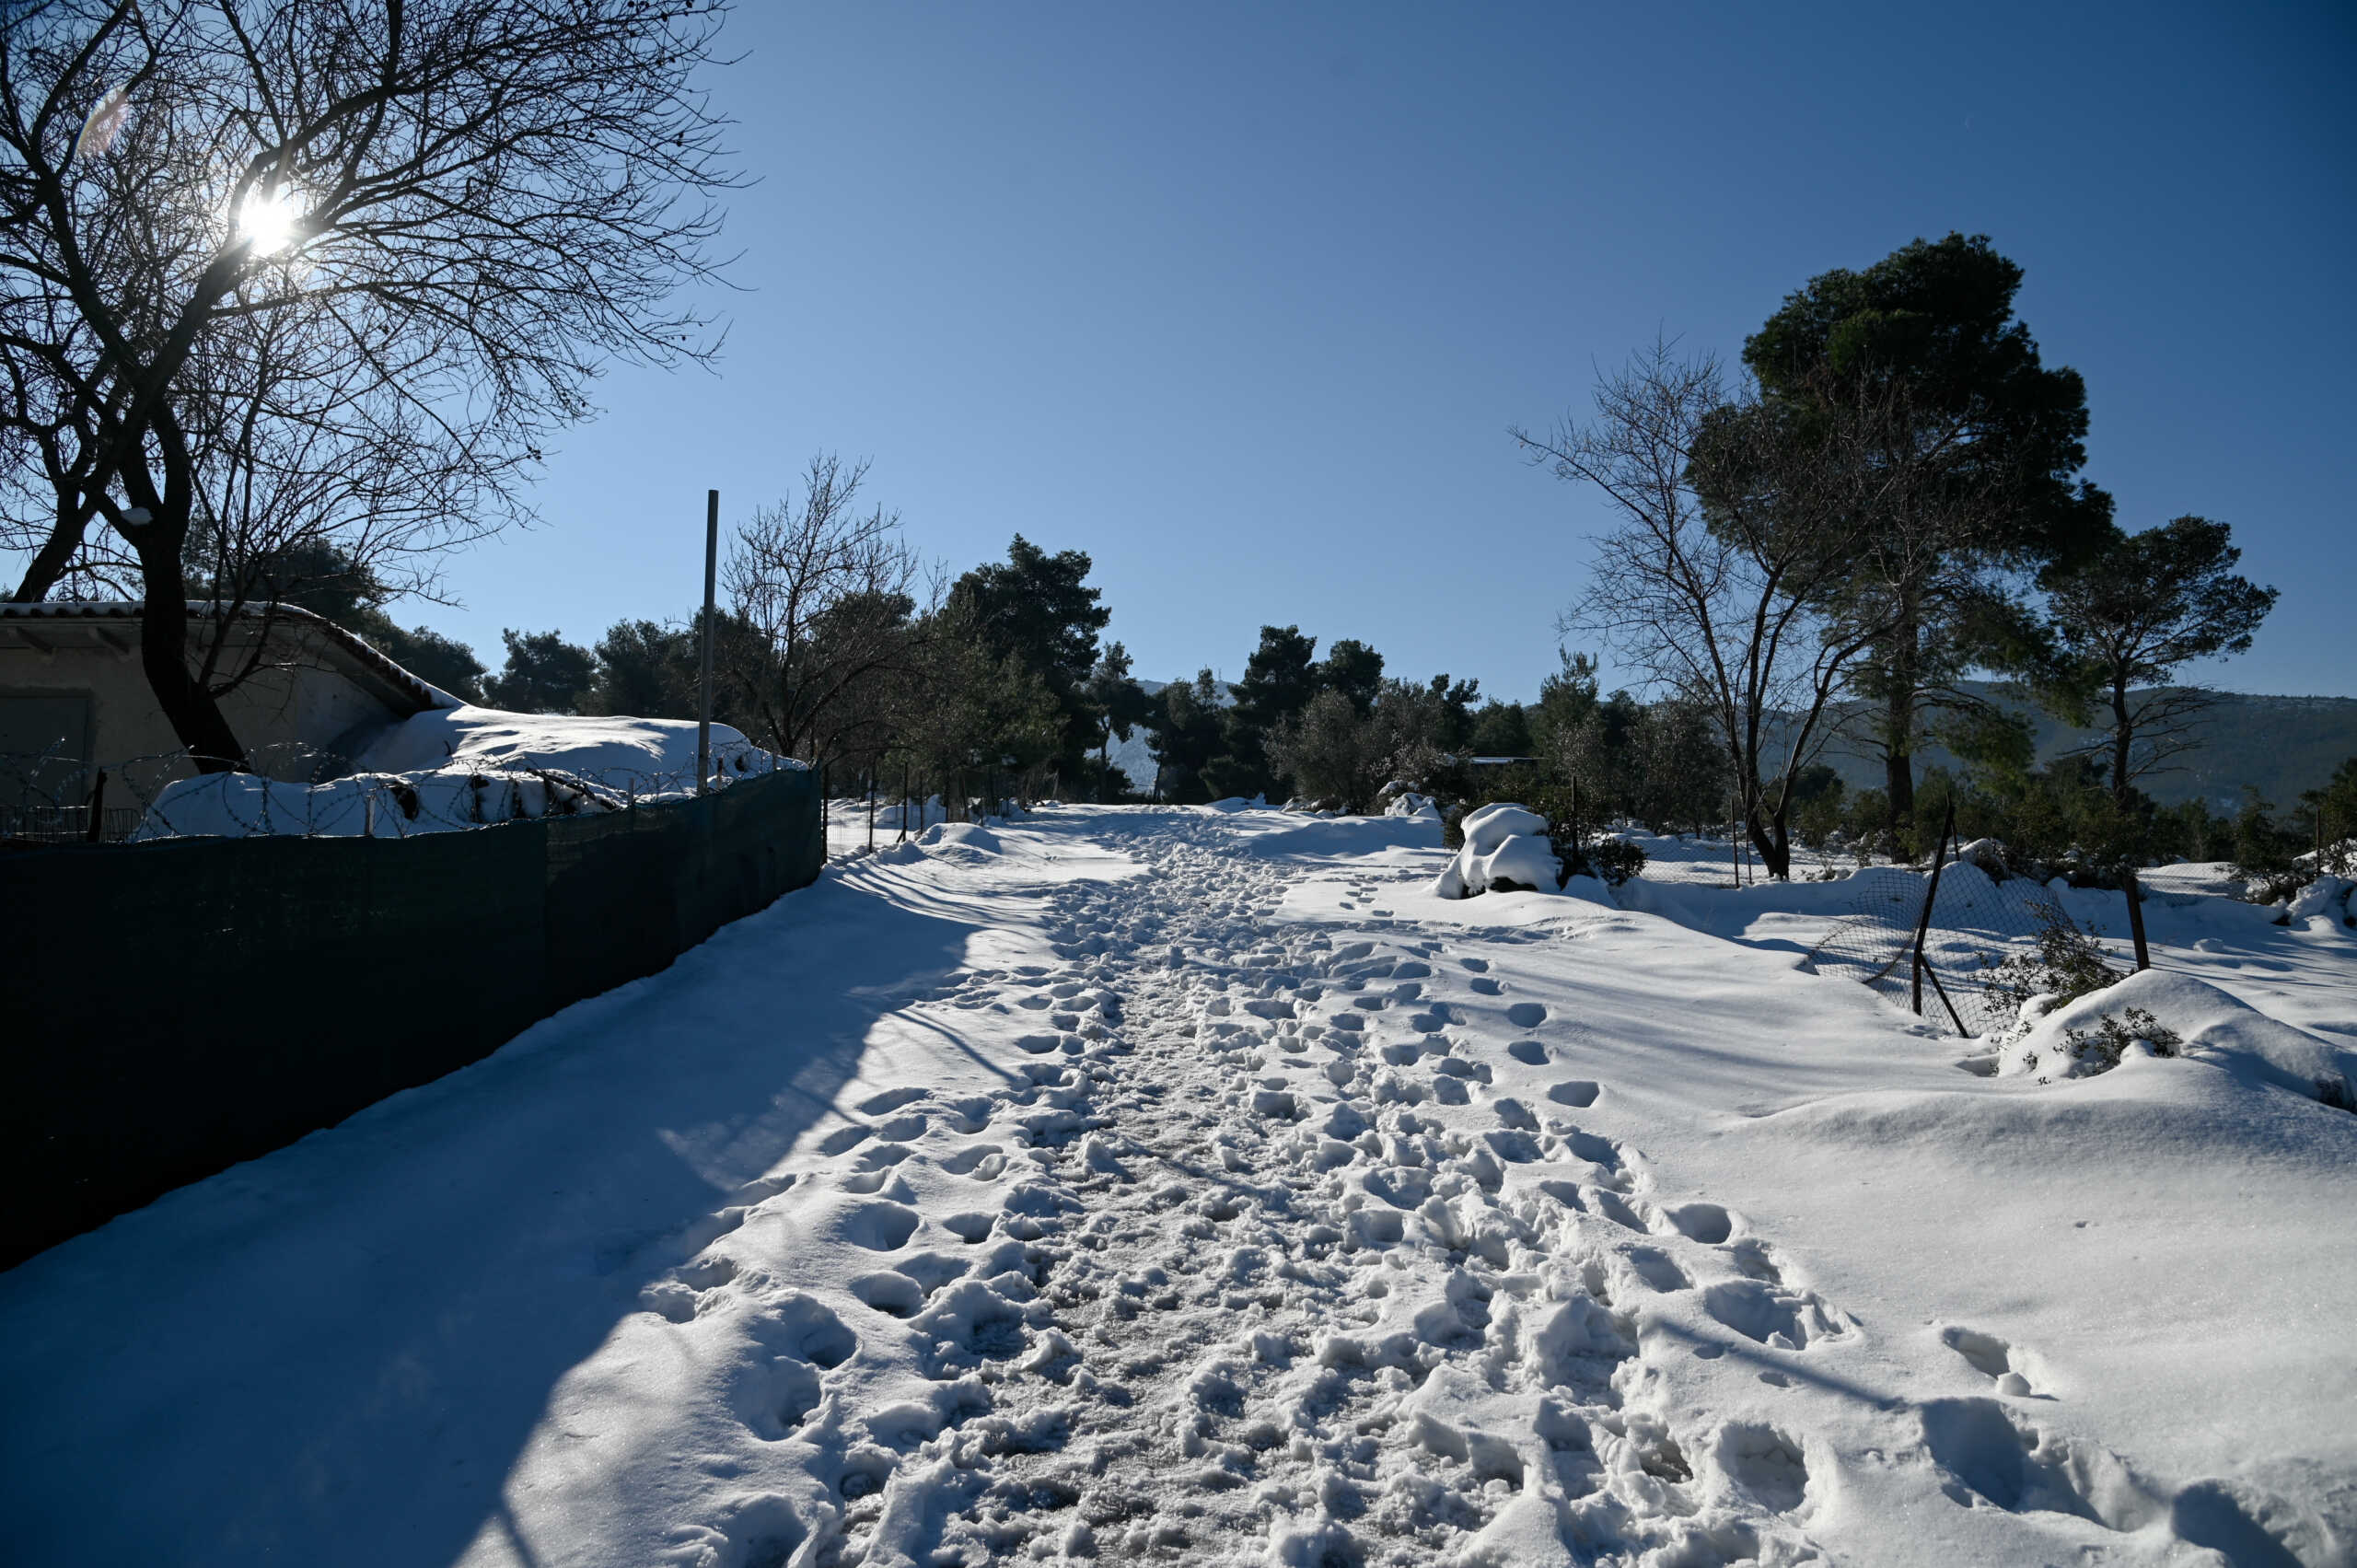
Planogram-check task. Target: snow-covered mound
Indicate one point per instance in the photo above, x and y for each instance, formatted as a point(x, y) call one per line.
point(1506, 847)
point(448, 769)
point(2326, 899)
point(2158, 1014)
point(661, 751)
point(960, 841)
point(1411, 804)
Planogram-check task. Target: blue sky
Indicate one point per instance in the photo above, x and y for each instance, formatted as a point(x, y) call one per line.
point(1241, 299)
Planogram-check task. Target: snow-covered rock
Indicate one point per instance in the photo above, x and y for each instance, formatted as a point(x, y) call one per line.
point(1411, 804)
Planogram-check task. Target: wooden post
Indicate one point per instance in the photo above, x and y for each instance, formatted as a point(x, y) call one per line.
point(704, 680)
point(904, 803)
point(871, 811)
point(95, 832)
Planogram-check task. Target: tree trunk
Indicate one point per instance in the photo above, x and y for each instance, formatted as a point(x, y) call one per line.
point(1899, 783)
point(194, 715)
point(1899, 726)
point(2124, 735)
point(1771, 840)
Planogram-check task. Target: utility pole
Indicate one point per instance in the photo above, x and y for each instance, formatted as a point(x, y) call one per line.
point(704, 683)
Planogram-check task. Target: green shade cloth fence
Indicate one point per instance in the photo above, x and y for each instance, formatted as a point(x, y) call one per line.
point(167, 1009)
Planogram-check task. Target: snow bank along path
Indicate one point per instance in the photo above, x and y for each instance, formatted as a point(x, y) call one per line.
point(1194, 1187)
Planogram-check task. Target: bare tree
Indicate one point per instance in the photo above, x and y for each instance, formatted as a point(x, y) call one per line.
point(1720, 598)
point(820, 589)
point(437, 217)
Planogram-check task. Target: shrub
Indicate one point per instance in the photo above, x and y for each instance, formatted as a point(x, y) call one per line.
point(2064, 963)
point(2101, 1048)
point(1614, 860)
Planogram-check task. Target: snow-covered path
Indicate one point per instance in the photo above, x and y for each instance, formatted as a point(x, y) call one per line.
point(1190, 1187)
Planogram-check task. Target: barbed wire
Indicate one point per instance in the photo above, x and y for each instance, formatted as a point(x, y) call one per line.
point(297, 790)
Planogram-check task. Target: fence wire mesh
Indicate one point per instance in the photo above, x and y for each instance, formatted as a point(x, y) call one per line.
point(1975, 924)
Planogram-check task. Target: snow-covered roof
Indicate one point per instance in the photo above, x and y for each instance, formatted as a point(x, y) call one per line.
point(116, 625)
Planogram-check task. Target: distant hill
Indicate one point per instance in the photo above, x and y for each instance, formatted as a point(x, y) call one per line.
point(2281, 745)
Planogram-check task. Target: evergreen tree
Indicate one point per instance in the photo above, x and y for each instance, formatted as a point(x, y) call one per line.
point(2128, 618)
point(1972, 464)
point(1121, 705)
point(544, 674)
point(1353, 669)
point(434, 658)
point(1037, 608)
point(1501, 729)
point(1279, 680)
point(1187, 739)
point(645, 669)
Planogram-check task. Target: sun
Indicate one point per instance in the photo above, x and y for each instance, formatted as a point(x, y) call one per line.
point(268, 222)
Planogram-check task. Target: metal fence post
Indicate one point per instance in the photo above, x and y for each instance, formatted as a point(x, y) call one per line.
point(1923, 923)
point(703, 681)
point(2136, 914)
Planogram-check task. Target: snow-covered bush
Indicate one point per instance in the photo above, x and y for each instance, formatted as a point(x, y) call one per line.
point(1989, 855)
point(1410, 804)
point(2158, 1014)
point(1505, 849)
point(2063, 964)
point(2085, 1053)
point(2328, 896)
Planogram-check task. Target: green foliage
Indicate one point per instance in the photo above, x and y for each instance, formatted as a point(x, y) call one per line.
point(1279, 678)
point(1037, 608)
point(1936, 318)
point(1499, 729)
point(2331, 813)
point(544, 674)
point(1120, 706)
point(2063, 963)
point(1187, 737)
point(434, 658)
point(2264, 852)
point(1353, 669)
point(2100, 1049)
point(2126, 618)
point(646, 670)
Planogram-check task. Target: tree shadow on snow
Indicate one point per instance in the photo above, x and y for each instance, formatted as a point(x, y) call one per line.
point(338, 1352)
